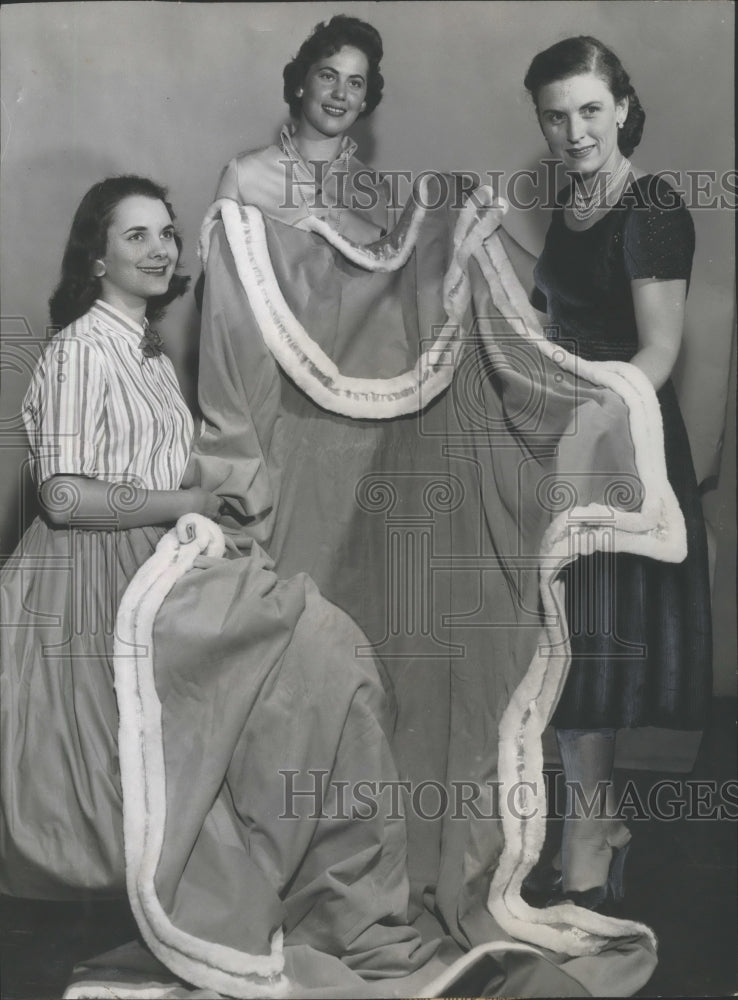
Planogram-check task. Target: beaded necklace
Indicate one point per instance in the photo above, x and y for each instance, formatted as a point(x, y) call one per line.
point(584, 206)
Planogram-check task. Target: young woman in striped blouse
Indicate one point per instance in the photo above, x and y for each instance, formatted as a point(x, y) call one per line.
point(110, 439)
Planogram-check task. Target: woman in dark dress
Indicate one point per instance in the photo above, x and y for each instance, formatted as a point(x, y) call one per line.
point(613, 279)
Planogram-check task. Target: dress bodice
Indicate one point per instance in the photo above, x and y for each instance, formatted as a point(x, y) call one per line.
point(583, 277)
point(97, 406)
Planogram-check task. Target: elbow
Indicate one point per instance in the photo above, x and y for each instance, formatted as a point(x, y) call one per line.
point(666, 363)
point(59, 498)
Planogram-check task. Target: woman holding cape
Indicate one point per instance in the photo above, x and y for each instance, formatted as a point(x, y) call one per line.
point(373, 418)
point(614, 276)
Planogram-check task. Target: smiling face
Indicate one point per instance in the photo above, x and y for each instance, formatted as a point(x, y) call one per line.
point(141, 253)
point(333, 93)
point(579, 118)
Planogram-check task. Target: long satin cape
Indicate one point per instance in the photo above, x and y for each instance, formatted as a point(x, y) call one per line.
point(391, 421)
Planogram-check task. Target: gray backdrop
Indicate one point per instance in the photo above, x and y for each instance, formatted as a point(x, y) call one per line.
point(174, 90)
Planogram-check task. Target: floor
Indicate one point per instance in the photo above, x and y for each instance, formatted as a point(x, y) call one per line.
point(681, 880)
point(681, 877)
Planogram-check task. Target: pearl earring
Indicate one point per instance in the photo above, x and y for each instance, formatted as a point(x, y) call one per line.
point(620, 124)
point(299, 91)
point(98, 269)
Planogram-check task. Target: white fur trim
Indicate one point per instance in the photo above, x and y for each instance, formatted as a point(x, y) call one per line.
point(143, 777)
point(96, 989)
point(656, 530)
point(301, 357)
point(391, 252)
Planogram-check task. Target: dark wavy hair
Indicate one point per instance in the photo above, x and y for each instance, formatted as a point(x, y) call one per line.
point(325, 40)
point(584, 54)
point(88, 239)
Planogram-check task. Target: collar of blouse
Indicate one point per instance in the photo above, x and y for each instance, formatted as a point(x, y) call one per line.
point(287, 145)
point(142, 337)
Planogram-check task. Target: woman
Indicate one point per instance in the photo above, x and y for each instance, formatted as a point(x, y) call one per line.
point(332, 82)
point(613, 279)
point(372, 419)
point(82, 721)
point(110, 439)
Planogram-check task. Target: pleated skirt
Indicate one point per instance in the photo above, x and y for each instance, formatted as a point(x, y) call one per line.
point(641, 630)
point(61, 824)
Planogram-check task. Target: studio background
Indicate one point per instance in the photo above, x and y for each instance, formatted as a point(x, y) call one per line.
point(173, 91)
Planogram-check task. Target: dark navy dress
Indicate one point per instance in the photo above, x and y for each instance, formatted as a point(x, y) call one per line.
point(640, 629)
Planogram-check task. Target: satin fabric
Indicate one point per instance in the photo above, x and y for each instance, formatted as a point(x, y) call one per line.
point(433, 532)
point(426, 529)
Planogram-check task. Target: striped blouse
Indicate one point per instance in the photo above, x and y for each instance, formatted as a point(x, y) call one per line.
point(97, 407)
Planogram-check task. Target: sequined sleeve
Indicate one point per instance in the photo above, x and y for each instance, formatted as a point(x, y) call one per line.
point(658, 238)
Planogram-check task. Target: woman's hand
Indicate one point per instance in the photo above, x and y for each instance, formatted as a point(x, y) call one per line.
point(201, 501)
point(482, 210)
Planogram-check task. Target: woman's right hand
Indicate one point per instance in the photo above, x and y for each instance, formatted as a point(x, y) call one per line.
point(201, 501)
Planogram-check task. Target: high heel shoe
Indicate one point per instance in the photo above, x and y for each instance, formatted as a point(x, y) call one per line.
point(597, 897)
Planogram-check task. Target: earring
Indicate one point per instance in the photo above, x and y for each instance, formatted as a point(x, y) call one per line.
point(620, 124)
point(363, 105)
point(299, 92)
point(98, 269)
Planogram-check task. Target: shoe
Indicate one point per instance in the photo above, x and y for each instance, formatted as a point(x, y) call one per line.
point(543, 880)
point(597, 897)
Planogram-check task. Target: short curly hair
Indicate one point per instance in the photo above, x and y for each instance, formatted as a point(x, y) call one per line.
point(88, 238)
point(584, 54)
point(325, 40)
